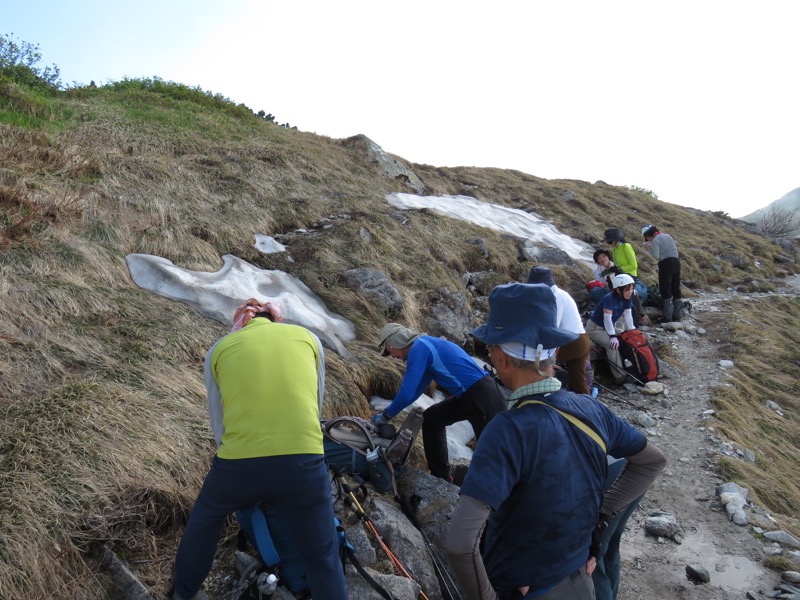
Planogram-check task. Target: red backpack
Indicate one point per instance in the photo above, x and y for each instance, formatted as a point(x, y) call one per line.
point(638, 356)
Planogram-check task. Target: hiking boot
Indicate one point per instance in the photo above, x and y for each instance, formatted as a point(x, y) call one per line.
point(666, 310)
point(677, 310)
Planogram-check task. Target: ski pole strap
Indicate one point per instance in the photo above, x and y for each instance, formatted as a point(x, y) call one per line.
point(351, 555)
point(572, 419)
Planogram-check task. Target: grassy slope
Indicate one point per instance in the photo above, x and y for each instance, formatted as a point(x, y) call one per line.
point(103, 429)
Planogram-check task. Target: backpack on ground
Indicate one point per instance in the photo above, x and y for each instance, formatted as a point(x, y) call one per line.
point(653, 296)
point(356, 447)
point(640, 360)
point(270, 536)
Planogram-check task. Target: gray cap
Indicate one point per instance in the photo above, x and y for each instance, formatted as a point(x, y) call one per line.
point(396, 336)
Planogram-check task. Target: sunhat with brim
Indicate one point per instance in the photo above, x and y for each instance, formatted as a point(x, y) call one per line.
point(541, 275)
point(396, 336)
point(523, 312)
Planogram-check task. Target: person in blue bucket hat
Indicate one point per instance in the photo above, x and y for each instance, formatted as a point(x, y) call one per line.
point(536, 480)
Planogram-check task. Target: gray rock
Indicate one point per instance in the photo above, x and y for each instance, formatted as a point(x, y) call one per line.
point(736, 514)
point(567, 195)
point(546, 255)
point(645, 420)
point(782, 538)
point(726, 364)
point(697, 574)
point(732, 487)
point(398, 587)
point(365, 553)
point(450, 316)
point(661, 524)
point(653, 388)
point(406, 542)
point(364, 234)
point(481, 244)
point(375, 286)
point(734, 259)
point(772, 549)
point(787, 246)
point(791, 576)
point(390, 167)
point(667, 371)
point(794, 556)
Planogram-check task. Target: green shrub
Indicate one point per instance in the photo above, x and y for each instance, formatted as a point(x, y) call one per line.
point(18, 62)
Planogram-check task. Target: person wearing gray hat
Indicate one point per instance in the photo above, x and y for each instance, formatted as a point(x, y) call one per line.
point(534, 488)
point(574, 355)
point(473, 394)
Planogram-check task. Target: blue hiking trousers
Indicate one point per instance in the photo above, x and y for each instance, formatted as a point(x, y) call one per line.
point(296, 487)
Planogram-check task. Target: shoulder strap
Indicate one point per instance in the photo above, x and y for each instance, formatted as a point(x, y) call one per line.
point(572, 419)
point(339, 434)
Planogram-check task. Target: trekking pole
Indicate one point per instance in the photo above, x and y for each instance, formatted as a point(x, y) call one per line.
point(618, 397)
point(446, 583)
point(362, 515)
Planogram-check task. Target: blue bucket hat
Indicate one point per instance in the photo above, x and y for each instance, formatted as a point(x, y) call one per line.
point(541, 275)
point(523, 312)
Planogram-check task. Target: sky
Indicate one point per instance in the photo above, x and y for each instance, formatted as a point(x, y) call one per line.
point(694, 100)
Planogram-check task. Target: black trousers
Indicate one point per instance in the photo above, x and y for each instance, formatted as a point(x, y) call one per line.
point(483, 400)
point(669, 278)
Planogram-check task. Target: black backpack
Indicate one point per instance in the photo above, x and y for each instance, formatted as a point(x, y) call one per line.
point(356, 447)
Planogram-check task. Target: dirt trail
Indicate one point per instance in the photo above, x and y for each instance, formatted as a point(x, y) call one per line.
point(731, 554)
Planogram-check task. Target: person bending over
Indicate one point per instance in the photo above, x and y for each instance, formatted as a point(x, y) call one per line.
point(474, 395)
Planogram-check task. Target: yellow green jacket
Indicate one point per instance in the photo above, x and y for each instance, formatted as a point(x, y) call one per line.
point(624, 257)
point(265, 386)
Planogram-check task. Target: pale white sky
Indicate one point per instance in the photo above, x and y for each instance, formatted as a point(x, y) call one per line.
point(695, 100)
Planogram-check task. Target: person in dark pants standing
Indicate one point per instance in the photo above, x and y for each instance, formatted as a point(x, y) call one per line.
point(474, 395)
point(265, 382)
point(662, 247)
point(533, 501)
point(606, 574)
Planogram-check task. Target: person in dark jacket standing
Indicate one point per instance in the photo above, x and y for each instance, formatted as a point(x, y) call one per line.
point(474, 395)
point(532, 502)
point(662, 247)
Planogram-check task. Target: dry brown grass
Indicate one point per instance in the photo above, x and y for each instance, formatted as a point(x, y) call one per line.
point(766, 335)
point(103, 427)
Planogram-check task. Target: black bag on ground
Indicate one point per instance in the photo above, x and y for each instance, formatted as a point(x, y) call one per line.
point(356, 447)
point(638, 356)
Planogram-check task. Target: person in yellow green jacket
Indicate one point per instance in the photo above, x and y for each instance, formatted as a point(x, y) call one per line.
point(624, 257)
point(265, 383)
point(622, 253)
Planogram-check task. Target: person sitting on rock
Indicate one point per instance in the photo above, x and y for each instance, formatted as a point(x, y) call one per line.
point(625, 262)
point(474, 394)
point(602, 272)
point(601, 326)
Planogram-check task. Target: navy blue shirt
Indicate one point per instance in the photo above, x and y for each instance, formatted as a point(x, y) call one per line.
point(544, 480)
point(611, 302)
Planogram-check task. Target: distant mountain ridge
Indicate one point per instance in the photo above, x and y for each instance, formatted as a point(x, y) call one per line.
point(788, 203)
